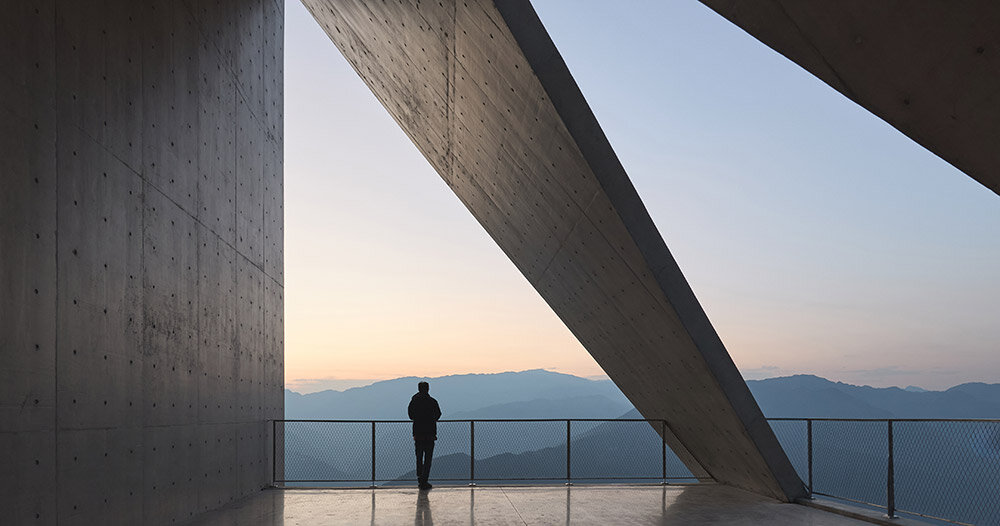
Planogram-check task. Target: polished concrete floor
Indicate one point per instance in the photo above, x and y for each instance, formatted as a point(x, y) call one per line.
point(537, 505)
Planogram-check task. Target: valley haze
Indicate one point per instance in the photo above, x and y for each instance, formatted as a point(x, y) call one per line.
point(540, 393)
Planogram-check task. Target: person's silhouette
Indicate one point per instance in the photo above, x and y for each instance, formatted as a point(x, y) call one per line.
point(425, 412)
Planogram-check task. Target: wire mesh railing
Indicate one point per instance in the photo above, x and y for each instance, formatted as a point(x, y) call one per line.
point(341, 453)
point(946, 470)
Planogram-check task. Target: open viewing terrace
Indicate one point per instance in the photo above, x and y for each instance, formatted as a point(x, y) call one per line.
point(143, 258)
point(595, 471)
point(520, 505)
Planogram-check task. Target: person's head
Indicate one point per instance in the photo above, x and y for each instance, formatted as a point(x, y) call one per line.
point(423, 387)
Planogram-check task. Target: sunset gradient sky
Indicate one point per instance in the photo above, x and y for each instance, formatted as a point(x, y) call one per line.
point(819, 239)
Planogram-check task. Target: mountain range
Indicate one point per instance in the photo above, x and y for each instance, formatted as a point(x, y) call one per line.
point(524, 394)
point(849, 457)
point(545, 394)
point(812, 396)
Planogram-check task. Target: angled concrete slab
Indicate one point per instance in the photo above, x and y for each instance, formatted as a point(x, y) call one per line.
point(483, 93)
point(929, 69)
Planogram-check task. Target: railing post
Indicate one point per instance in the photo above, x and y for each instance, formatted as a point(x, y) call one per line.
point(809, 440)
point(274, 452)
point(569, 474)
point(373, 453)
point(472, 452)
point(891, 480)
point(663, 450)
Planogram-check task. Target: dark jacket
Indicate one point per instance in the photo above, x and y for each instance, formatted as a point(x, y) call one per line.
point(425, 412)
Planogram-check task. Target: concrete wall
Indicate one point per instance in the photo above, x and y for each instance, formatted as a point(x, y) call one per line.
point(483, 93)
point(141, 322)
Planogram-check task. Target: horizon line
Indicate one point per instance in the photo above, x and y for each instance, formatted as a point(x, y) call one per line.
point(358, 383)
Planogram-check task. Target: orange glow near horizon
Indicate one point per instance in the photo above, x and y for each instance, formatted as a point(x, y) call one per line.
point(388, 325)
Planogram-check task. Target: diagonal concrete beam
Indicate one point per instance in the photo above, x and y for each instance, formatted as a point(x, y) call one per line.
point(483, 93)
point(930, 69)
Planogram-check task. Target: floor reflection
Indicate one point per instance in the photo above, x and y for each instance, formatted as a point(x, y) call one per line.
point(532, 505)
point(568, 490)
point(423, 517)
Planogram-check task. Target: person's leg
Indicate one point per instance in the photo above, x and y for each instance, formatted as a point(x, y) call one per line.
point(424, 450)
point(419, 450)
point(428, 456)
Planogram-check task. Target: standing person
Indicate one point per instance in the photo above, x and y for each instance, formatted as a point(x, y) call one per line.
point(425, 412)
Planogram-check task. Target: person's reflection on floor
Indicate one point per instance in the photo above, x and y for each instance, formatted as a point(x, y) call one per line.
point(423, 517)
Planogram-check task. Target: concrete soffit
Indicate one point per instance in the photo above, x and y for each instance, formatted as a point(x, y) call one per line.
point(929, 69)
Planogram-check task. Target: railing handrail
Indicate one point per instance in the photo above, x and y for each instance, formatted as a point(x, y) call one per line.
point(779, 418)
point(658, 424)
point(833, 419)
point(467, 420)
point(889, 451)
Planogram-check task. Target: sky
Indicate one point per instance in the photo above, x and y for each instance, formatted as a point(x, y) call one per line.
point(818, 239)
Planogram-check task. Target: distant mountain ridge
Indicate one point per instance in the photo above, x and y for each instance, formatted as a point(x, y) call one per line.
point(537, 392)
point(545, 394)
point(958, 456)
point(812, 396)
point(587, 406)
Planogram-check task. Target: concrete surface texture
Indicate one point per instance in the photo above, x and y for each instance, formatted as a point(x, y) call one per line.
point(524, 506)
point(929, 69)
point(141, 324)
point(483, 93)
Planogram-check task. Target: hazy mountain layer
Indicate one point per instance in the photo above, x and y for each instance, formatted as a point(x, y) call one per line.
point(545, 394)
point(463, 395)
point(812, 396)
point(849, 457)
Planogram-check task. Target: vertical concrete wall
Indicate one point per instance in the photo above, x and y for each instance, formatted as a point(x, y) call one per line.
point(141, 326)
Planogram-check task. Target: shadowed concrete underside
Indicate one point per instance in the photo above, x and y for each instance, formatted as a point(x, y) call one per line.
point(930, 69)
point(483, 93)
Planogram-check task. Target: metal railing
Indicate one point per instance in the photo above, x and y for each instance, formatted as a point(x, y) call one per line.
point(946, 470)
point(373, 452)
